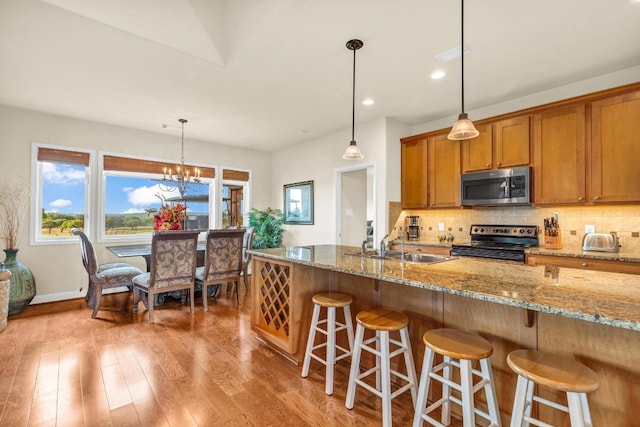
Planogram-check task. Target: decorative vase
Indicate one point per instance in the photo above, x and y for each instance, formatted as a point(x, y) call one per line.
point(5, 286)
point(23, 284)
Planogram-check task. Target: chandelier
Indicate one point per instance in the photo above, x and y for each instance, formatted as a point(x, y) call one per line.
point(183, 177)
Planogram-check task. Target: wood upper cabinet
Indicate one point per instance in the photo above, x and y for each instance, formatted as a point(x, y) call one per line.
point(559, 156)
point(413, 172)
point(503, 144)
point(443, 172)
point(511, 142)
point(615, 149)
point(477, 153)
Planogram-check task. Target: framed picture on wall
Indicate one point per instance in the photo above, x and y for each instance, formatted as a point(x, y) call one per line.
point(298, 203)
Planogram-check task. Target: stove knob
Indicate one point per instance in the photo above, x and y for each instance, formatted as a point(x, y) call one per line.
point(529, 231)
point(522, 231)
point(482, 230)
point(475, 229)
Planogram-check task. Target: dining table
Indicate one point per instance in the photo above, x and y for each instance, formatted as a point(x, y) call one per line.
point(144, 250)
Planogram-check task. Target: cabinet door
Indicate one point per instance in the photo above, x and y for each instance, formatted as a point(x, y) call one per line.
point(444, 172)
point(477, 153)
point(511, 142)
point(414, 174)
point(615, 149)
point(559, 156)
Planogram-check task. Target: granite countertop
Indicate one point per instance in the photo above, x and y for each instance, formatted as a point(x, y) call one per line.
point(601, 297)
point(624, 255)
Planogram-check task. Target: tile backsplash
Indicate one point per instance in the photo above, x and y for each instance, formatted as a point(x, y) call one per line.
point(623, 220)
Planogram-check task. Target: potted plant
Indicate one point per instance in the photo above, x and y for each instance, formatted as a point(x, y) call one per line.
point(268, 227)
point(14, 196)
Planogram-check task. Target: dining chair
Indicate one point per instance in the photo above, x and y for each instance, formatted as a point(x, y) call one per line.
point(173, 268)
point(223, 261)
point(247, 242)
point(102, 276)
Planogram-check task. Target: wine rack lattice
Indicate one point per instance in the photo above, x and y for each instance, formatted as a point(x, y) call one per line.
point(275, 297)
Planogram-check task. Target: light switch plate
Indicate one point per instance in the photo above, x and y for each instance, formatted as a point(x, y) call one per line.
point(589, 228)
point(441, 226)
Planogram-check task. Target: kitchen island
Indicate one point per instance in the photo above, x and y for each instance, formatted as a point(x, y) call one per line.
point(590, 315)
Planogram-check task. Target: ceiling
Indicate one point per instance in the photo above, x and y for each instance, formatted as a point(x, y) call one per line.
point(265, 74)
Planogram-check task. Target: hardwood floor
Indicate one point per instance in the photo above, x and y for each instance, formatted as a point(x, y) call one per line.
point(59, 367)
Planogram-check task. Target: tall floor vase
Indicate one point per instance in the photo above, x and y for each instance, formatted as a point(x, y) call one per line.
point(23, 284)
point(5, 285)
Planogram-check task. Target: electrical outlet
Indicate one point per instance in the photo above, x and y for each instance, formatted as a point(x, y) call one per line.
point(441, 226)
point(589, 228)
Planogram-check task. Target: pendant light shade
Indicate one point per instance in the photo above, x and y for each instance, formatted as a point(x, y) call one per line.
point(353, 151)
point(463, 128)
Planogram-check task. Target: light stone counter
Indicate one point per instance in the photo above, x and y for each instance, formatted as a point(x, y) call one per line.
point(622, 256)
point(606, 298)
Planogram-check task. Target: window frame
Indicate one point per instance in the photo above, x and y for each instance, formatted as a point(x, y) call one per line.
point(35, 208)
point(102, 202)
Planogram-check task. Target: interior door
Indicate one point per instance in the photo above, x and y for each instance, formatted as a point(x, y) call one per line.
point(353, 207)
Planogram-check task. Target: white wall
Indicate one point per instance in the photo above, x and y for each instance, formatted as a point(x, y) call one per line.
point(318, 159)
point(58, 268)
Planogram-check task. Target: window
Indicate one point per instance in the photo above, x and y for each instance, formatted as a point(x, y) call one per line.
point(235, 191)
point(133, 188)
point(61, 193)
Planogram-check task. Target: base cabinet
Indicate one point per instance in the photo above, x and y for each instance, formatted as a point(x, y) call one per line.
point(282, 308)
point(281, 312)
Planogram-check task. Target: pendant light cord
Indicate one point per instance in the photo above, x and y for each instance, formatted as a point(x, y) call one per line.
point(353, 99)
point(462, 52)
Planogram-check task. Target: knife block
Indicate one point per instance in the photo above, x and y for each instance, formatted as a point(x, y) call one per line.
point(553, 242)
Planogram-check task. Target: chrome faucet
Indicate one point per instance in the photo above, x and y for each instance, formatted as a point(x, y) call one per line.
point(383, 247)
point(363, 248)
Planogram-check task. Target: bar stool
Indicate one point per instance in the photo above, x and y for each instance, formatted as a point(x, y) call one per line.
point(459, 349)
point(558, 373)
point(330, 301)
point(382, 322)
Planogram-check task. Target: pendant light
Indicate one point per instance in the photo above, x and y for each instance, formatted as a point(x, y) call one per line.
point(463, 128)
point(353, 151)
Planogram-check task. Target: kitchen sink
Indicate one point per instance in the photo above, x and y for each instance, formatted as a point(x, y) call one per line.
point(398, 256)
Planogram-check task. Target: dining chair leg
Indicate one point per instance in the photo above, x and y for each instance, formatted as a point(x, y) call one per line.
point(150, 306)
point(235, 284)
point(244, 276)
point(97, 289)
point(205, 297)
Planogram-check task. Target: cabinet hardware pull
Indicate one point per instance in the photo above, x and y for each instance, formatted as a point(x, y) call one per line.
point(499, 163)
point(596, 197)
point(488, 165)
point(580, 198)
point(584, 264)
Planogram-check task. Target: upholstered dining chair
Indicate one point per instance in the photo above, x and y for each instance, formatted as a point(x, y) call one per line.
point(222, 263)
point(247, 242)
point(102, 276)
point(173, 268)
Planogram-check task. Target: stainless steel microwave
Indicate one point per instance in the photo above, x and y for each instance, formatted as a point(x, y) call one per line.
point(496, 188)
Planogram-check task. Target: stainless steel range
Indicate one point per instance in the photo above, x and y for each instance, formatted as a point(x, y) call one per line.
point(506, 242)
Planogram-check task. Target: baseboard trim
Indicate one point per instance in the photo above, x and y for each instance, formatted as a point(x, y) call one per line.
point(63, 296)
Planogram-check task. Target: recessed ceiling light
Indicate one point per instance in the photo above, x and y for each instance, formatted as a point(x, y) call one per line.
point(368, 101)
point(438, 74)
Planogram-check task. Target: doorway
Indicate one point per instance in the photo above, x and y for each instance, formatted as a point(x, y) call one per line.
point(355, 202)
